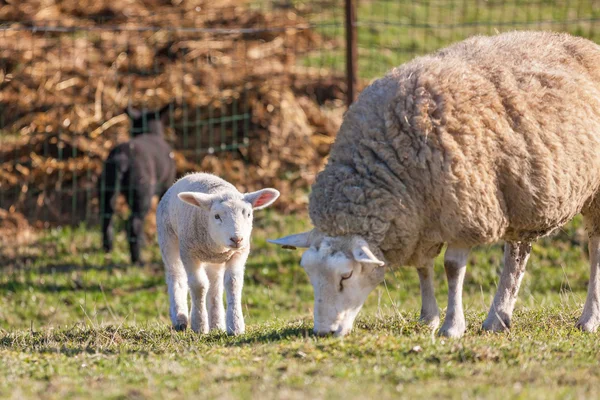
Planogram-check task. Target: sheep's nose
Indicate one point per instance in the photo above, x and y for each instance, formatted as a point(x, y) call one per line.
point(236, 240)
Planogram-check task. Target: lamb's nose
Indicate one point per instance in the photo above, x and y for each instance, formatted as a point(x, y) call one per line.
point(236, 240)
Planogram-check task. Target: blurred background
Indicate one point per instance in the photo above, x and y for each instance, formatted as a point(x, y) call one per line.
point(257, 90)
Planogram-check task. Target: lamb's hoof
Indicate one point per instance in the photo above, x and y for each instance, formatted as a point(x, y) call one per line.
point(236, 332)
point(587, 324)
point(180, 323)
point(496, 324)
point(452, 331)
point(218, 328)
point(180, 327)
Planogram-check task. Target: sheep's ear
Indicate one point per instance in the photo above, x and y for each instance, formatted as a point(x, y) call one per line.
point(132, 112)
point(362, 253)
point(202, 200)
point(302, 240)
point(261, 198)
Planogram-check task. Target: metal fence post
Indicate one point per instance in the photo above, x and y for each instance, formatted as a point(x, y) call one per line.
point(351, 51)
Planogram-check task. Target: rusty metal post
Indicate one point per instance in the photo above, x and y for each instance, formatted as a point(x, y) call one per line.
point(351, 51)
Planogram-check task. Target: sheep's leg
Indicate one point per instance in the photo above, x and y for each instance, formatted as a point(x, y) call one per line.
point(590, 317)
point(430, 313)
point(216, 310)
point(234, 282)
point(516, 255)
point(198, 283)
point(176, 281)
point(455, 264)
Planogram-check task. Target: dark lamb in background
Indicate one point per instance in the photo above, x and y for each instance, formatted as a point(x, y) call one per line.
point(138, 169)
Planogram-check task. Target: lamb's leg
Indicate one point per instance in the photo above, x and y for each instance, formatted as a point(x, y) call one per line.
point(455, 264)
point(107, 225)
point(516, 255)
point(176, 281)
point(108, 197)
point(234, 282)
point(108, 189)
point(430, 313)
point(140, 204)
point(590, 317)
point(216, 310)
point(198, 283)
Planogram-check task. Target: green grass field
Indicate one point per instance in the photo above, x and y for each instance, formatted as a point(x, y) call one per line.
point(77, 324)
point(392, 32)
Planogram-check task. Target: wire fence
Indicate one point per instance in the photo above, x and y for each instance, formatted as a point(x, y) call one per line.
point(66, 81)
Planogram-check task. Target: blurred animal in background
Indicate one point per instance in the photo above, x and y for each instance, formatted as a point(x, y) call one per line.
point(139, 169)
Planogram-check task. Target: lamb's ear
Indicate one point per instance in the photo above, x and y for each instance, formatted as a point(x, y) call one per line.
point(202, 200)
point(163, 113)
point(362, 253)
point(132, 112)
point(302, 240)
point(262, 198)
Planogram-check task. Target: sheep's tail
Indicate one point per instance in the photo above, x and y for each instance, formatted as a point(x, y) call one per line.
point(109, 185)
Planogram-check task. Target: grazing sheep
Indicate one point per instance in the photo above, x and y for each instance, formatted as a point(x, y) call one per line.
point(139, 169)
point(204, 227)
point(491, 138)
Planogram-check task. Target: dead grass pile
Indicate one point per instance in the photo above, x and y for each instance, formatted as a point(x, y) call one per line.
point(232, 72)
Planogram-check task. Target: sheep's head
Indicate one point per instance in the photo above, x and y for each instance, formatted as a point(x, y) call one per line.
point(229, 219)
point(343, 271)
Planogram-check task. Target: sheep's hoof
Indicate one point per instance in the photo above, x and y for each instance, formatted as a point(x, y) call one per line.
point(496, 324)
point(452, 331)
point(431, 322)
point(587, 324)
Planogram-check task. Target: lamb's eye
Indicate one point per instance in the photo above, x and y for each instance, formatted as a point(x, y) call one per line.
point(217, 216)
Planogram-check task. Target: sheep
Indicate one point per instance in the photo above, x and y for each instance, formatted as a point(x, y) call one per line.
point(493, 138)
point(139, 169)
point(204, 225)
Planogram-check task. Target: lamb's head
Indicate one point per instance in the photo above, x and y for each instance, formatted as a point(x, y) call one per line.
point(148, 121)
point(343, 271)
point(229, 218)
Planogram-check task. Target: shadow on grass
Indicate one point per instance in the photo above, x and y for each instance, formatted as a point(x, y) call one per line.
point(51, 268)
point(275, 335)
point(74, 285)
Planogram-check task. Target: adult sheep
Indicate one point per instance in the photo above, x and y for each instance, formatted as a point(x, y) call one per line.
point(491, 138)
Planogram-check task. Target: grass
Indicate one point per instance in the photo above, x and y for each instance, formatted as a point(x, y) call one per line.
point(392, 32)
point(75, 323)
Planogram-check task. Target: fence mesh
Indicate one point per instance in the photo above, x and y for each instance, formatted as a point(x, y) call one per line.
point(256, 88)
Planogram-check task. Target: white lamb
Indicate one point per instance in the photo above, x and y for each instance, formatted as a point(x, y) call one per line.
point(204, 225)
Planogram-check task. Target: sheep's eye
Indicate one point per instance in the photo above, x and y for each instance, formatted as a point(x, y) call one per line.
point(217, 216)
point(344, 277)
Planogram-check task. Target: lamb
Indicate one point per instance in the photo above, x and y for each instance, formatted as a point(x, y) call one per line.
point(493, 138)
point(139, 169)
point(204, 225)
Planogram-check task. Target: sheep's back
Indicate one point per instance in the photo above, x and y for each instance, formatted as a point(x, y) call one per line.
point(495, 137)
